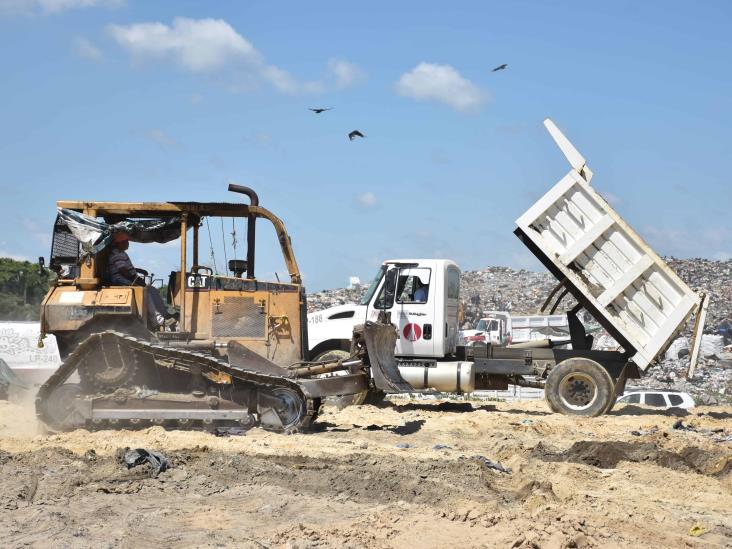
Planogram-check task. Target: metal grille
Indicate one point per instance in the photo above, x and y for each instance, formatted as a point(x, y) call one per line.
point(238, 317)
point(65, 248)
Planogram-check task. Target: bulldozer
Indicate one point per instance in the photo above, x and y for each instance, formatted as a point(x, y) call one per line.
point(236, 356)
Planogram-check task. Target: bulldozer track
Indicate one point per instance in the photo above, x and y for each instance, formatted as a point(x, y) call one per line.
point(166, 358)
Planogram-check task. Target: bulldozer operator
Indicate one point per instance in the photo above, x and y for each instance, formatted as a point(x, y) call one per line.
point(123, 273)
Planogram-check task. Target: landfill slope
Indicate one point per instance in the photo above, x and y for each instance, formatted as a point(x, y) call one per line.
point(403, 475)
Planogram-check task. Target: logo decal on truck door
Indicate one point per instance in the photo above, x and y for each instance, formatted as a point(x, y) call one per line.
point(412, 331)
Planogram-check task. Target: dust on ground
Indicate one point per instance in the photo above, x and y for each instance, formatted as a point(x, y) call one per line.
point(400, 475)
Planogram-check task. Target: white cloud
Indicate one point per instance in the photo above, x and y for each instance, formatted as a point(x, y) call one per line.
point(48, 7)
point(206, 45)
point(346, 74)
point(194, 44)
point(442, 84)
point(284, 82)
point(84, 48)
point(367, 200)
point(163, 139)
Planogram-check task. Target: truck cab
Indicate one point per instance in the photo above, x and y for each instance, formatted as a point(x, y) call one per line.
point(494, 328)
point(422, 296)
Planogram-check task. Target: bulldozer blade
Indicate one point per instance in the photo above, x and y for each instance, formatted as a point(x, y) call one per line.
point(349, 384)
point(380, 342)
point(246, 359)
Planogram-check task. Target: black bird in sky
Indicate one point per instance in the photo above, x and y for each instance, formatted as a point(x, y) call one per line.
point(500, 67)
point(354, 134)
point(318, 110)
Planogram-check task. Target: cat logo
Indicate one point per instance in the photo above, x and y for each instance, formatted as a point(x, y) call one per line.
point(198, 281)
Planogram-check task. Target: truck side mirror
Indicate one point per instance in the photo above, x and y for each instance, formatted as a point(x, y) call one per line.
point(41, 266)
point(390, 282)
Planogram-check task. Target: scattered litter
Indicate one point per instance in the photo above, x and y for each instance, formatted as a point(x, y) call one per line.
point(697, 530)
point(490, 464)
point(717, 434)
point(527, 421)
point(441, 447)
point(403, 445)
point(158, 462)
point(643, 432)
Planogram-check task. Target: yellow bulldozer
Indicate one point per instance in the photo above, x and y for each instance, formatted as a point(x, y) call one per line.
point(236, 355)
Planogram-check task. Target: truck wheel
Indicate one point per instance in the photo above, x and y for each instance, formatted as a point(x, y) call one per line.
point(579, 387)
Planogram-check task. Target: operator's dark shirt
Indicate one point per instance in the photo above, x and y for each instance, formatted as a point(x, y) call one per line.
point(119, 268)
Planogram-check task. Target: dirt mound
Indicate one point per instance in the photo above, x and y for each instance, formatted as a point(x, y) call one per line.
point(607, 455)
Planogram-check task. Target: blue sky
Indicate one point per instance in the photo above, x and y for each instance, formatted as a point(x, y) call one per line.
point(142, 100)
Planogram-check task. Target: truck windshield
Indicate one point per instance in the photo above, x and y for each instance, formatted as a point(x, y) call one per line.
point(374, 284)
point(487, 325)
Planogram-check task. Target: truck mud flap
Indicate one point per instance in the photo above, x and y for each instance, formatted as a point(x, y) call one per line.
point(380, 342)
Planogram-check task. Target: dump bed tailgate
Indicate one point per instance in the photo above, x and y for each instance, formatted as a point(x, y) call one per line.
point(602, 257)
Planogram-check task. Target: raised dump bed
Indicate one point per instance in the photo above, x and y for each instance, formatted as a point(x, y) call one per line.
point(608, 268)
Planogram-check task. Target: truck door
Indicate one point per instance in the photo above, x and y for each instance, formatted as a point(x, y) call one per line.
point(408, 294)
point(414, 312)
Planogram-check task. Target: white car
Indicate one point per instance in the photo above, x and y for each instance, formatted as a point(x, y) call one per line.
point(658, 399)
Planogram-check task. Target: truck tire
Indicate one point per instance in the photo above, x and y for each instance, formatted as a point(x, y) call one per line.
point(579, 387)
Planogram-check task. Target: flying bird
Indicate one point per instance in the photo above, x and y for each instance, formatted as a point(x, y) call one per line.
point(354, 134)
point(500, 67)
point(318, 110)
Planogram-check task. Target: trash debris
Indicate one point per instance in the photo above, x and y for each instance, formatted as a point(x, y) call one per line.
point(490, 464)
point(158, 462)
point(697, 530)
point(441, 447)
point(643, 432)
point(717, 435)
point(403, 445)
point(527, 421)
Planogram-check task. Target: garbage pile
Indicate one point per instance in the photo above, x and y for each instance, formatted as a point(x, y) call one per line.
point(519, 292)
point(330, 298)
point(714, 278)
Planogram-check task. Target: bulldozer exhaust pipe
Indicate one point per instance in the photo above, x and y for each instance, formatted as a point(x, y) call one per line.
point(251, 224)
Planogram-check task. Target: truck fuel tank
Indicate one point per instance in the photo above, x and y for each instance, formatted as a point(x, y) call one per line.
point(448, 377)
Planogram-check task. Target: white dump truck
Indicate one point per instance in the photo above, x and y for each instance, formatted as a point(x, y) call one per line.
point(594, 255)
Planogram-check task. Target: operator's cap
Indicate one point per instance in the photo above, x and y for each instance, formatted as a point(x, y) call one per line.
point(121, 236)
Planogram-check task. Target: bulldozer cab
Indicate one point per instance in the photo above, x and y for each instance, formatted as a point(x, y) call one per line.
point(216, 302)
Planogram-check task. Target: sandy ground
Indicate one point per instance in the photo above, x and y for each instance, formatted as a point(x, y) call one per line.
point(402, 475)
